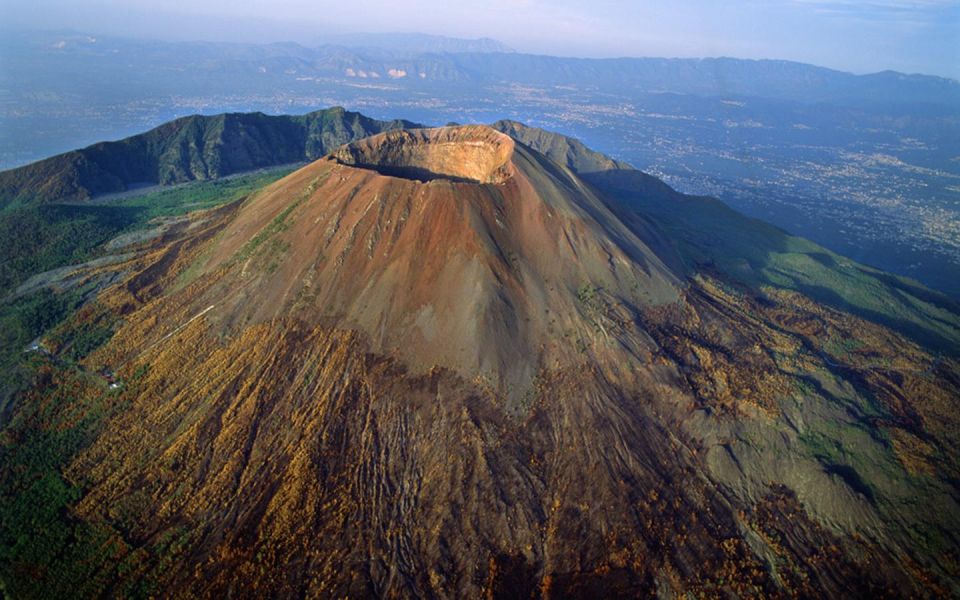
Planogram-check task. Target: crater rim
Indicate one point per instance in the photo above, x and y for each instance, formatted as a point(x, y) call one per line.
point(466, 154)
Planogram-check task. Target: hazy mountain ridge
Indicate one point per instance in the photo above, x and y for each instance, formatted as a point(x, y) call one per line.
point(188, 149)
point(414, 43)
point(416, 63)
point(730, 77)
point(564, 150)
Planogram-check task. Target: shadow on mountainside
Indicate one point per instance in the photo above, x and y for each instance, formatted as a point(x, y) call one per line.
point(709, 234)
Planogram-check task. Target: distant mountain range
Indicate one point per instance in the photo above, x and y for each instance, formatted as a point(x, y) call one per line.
point(422, 60)
point(413, 43)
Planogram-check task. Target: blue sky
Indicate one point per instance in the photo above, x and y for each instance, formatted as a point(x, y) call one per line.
point(905, 35)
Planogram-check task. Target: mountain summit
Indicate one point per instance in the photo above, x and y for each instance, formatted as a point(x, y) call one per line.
point(456, 246)
point(458, 362)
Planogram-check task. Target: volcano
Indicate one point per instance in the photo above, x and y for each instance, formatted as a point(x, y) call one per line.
point(450, 247)
point(454, 362)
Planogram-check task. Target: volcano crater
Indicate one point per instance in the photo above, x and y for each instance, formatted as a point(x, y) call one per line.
point(463, 154)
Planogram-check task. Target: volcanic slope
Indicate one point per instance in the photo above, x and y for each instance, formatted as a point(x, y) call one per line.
point(436, 363)
point(454, 247)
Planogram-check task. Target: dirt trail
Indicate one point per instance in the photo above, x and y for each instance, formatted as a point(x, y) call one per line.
point(169, 335)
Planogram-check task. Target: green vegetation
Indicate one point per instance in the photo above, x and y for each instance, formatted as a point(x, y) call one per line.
point(21, 321)
point(842, 348)
point(86, 338)
point(190, 197)
point(711, 236)
point(275, 226)
point(39, 238)
point(35, 239)
point(193, 148)
point(587, 293)
point(44, 551)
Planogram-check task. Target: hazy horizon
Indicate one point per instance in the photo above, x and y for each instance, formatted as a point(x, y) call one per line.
point(911, 36)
